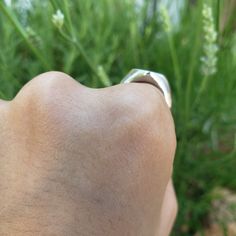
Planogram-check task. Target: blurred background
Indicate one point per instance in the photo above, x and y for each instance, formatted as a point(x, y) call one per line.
point(192, 42)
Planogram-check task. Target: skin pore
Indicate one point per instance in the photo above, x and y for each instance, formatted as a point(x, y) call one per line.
point(81, 161)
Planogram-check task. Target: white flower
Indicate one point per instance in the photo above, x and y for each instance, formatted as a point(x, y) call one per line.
point(210, 47)
point(58, 19)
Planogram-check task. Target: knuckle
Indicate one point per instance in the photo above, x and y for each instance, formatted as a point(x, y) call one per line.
point(42, 100)
point(148, 126)
point(138, 126)
point(144, 101)
point(43, 86)
point(149, 115)
point(44, 93)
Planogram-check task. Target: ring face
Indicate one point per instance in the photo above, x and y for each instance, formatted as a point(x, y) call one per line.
point(156, 79)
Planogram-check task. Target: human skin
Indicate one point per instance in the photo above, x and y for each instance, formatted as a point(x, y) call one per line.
point(81, 161)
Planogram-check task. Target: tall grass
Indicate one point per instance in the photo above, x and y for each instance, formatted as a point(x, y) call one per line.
point(100, 41)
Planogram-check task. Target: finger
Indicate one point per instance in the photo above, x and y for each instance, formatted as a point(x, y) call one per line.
point(169, 211)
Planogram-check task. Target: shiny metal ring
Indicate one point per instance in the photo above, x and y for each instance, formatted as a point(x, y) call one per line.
point(156, 79)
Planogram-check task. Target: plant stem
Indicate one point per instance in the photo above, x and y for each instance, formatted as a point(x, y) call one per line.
point(23, 34)
point(193, 62)
point(67, 12)
point(80, 49)
point(93, 67)
point(98, 71)
point(218, 16)
point(201, 90)
point(54, 4)
point(175, 62)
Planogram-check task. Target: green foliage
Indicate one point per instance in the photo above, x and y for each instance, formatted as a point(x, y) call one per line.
point(100, 41)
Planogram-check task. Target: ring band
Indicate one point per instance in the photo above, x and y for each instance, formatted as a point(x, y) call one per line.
point(156, 79)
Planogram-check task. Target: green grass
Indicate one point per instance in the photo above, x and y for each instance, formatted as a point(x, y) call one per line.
point(101, 41)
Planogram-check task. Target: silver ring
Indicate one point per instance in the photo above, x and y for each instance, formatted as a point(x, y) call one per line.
point(156, 79)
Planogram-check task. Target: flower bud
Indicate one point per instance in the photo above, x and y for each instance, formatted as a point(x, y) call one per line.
point(58, 19)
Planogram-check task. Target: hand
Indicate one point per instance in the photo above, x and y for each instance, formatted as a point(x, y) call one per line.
point(82, 161)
